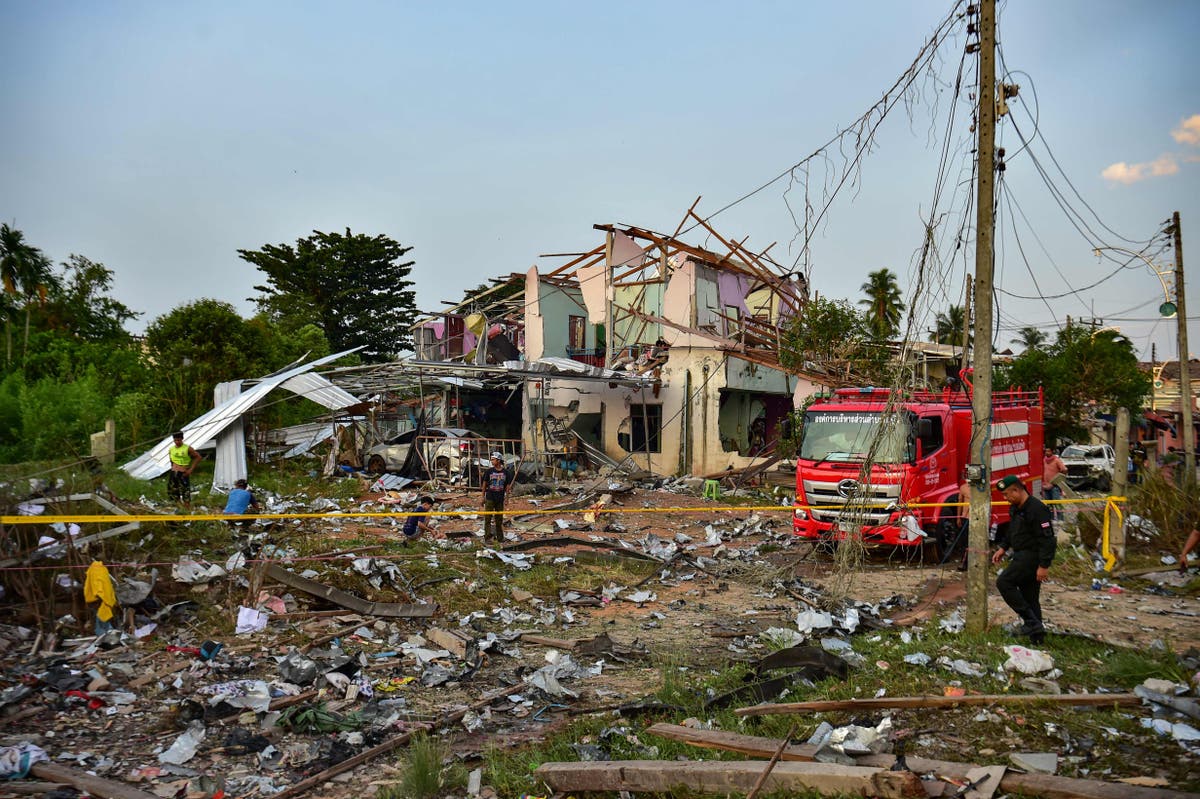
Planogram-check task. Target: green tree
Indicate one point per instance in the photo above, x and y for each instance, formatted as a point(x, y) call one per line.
point(948, 326)
point(1079, 370)
point(832, 336)
point(1029, 338)
point(197, 345)
point(26, 273)
point(353, 286)
point(79, 303)
point(883, 302)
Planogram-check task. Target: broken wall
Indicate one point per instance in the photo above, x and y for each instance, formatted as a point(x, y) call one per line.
point(548, 312)
point(688, 405)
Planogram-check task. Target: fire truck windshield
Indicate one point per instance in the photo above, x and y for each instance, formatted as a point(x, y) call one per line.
point(849, 435)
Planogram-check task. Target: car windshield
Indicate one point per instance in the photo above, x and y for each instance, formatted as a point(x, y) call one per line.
point(1076, 451)
point(848, 436)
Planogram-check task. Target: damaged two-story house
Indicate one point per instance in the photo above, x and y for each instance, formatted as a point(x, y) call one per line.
point(645, 351)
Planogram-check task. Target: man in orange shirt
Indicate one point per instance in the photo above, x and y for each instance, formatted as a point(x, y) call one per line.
point(1052, 467)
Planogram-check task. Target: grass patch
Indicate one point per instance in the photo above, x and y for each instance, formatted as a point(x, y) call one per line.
point(1126, 667)
point(425, 772)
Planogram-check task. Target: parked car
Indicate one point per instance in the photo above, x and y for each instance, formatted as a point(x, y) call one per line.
point(1089, 466)
point(453, 450)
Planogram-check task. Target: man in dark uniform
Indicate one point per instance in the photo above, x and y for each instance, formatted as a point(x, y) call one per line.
point(1030, 544)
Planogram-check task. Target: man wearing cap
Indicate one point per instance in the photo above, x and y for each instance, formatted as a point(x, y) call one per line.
point(1030, 545)
point(495, 487)
point(183, 461)
point(241, 499)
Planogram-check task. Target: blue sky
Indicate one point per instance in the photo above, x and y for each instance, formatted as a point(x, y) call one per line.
point(159, 138)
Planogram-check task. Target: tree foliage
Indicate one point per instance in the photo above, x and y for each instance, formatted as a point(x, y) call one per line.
point(26, 274)
point(1029, 338)
point(354, 287)
point(883, 302)
point(948, 326)
point(79, 303)
point(832, 336)
point(1080, 371)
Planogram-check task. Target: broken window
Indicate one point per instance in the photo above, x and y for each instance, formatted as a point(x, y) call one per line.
point(646, 428)
point(576, 336)
point(733, 321)
point(427, 345)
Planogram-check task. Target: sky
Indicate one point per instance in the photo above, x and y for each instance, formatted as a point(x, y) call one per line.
point(159, 138)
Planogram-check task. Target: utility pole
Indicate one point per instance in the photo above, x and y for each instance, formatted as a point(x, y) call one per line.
point(981, 401)
point(1185, 378)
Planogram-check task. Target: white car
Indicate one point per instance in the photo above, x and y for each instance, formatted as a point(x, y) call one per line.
point(445, 451)
point(1089, 466)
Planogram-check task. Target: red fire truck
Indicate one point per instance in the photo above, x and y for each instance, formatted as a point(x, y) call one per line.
point(861, 463)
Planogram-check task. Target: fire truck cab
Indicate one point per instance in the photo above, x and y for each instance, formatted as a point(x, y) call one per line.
point(868, 460)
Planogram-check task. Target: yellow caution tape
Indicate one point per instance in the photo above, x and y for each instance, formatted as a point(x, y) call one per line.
point(1110, 507)
point(613, 511)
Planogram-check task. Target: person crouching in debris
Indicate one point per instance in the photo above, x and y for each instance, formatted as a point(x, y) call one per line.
point(183, 462)
point(418, 522)
point(1030, 544)
point(495, 487)
point(241, 500)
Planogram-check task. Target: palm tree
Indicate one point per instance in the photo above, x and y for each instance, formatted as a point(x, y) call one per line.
point(948, 326)
point(38, 283)
point(883, 302)
point(1030, 338)
point(26, 272)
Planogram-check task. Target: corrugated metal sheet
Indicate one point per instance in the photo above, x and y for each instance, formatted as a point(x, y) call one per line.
point(230, 463)
point(204, 429)
point(319, 390)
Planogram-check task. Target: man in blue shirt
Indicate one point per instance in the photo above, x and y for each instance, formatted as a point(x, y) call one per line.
point(417, 522)
point(241, 500)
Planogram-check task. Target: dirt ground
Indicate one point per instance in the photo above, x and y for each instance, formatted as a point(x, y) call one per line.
point(695, 618)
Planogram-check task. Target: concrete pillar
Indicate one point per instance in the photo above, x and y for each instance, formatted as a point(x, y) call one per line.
point(104, 443)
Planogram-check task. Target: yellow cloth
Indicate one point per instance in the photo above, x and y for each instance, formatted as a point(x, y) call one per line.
point(98, 586)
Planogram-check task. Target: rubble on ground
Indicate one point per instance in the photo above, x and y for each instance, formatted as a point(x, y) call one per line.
point(257, 667)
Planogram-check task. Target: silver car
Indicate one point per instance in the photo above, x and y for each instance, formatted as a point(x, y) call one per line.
point(445, 451)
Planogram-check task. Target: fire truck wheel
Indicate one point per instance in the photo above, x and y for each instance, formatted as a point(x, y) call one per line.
point(948, 533)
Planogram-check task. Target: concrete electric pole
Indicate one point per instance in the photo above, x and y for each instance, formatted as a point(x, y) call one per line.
point(1185, 378)
point(981, 448)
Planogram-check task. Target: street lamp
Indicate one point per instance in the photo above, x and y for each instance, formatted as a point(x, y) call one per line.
point(1168, 308)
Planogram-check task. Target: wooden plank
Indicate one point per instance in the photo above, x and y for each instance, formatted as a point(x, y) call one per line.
point(146, 679)
point(95, 786)
point(357, 604)
point(30, 788)
point(1046, 786)
point(724, 776)
point(1051, 787)
point(597, 250)
point(751, 745)
point(455, 643)
point(389, 745)
point(826, 705)
point(584, 646)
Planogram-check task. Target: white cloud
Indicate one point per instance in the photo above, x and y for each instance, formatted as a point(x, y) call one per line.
point(1122, 172)
point(1188, 131)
